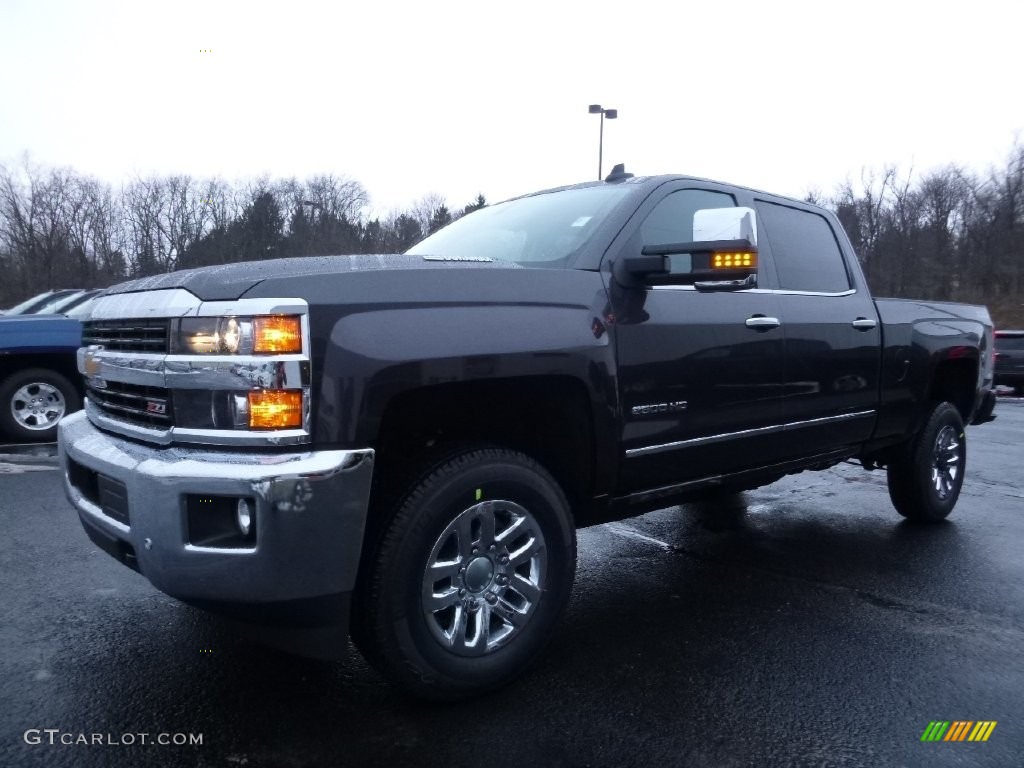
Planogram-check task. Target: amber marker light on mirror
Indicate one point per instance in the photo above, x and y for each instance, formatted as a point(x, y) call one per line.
point(738, 260)
point(275, 409)
point(277, 333)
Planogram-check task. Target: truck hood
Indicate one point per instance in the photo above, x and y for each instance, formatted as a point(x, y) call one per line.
point(228, 282)
point(39, 333)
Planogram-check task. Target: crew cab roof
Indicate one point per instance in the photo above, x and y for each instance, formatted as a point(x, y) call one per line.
point(647, 184)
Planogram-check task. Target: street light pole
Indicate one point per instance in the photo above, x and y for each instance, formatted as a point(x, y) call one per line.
point(611, 114)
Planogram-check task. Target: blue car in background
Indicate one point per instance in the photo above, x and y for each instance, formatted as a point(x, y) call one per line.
point(39, 381)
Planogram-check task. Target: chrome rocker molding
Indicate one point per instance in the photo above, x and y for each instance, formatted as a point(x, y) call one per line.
point(647, 450)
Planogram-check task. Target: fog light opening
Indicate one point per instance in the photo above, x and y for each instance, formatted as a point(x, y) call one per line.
point(243, 516)
point(221, 522)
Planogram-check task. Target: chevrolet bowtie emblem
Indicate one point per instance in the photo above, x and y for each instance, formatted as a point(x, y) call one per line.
point(91, 364)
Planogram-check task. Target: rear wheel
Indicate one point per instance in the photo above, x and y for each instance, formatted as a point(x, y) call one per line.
point(470, 577)
point(926, 477)
point(33, 401)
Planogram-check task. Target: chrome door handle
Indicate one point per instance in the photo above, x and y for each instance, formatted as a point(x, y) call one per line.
point(863, 324)
point(762, 323)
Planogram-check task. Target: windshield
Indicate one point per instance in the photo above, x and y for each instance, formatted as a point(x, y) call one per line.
point(543, 230)
point(65, 305)
point(82, 310)
point(29, 306)
point(57, 305)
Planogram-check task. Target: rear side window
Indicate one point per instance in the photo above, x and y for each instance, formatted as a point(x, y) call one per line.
point(807, 256)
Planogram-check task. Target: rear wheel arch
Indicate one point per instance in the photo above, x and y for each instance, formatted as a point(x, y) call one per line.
point(955, 380)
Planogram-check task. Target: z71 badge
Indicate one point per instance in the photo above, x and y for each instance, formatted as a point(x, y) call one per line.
point(647, 410)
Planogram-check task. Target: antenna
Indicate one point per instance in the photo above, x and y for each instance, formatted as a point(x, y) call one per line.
point(618, 173)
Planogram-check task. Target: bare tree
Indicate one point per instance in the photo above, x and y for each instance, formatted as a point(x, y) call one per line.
point(34, 206)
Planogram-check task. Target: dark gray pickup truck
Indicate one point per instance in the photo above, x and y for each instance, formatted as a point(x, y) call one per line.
point(403, 446)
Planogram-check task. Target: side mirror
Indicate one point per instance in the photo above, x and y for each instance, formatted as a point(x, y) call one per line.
point(725, 224)
point(644, 264)
point(722, 255)
point(715, 260)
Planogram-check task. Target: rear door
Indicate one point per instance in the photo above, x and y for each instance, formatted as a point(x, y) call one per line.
point(831, 329)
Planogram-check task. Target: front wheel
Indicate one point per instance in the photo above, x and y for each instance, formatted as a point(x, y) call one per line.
point(471, 576)
point(925, 479)
point(33, 401)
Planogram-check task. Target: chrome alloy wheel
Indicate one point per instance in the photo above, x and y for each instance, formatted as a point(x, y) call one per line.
point(947, 455)
point(484, 577)
point(38, 406)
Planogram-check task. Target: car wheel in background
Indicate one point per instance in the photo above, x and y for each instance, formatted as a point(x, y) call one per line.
point(32, 402)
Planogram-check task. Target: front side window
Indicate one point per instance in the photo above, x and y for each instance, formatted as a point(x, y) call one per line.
point(806, 253)
point(671, 221)
point(544, 230)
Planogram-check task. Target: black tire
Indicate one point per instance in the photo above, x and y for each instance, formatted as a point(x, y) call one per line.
point(35, 420)
point(917, 486)
point(391, 622)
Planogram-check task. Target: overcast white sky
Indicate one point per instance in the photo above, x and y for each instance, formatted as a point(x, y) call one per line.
point(466, 97)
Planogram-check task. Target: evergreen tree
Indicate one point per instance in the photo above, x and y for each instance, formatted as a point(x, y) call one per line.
point(476, 205)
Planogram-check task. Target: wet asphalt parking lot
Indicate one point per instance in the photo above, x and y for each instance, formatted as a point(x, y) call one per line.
point(800, 624)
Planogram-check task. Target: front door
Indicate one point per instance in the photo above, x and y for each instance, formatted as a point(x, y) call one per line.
point(700, 386)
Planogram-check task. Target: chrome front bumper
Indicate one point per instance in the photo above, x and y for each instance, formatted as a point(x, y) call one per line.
point(310, 515)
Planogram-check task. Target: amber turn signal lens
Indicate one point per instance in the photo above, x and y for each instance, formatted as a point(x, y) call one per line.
point(275, 409)
point(277, 333)
point(739, 260)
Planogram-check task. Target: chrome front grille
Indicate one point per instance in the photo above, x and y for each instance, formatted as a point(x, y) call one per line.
point(145, 406)
point(146, 335)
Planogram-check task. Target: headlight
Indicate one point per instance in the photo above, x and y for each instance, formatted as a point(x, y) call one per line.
point(231, 335)
point(272, 334)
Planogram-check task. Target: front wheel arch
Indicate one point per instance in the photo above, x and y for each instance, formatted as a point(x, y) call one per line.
point(389, 624)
